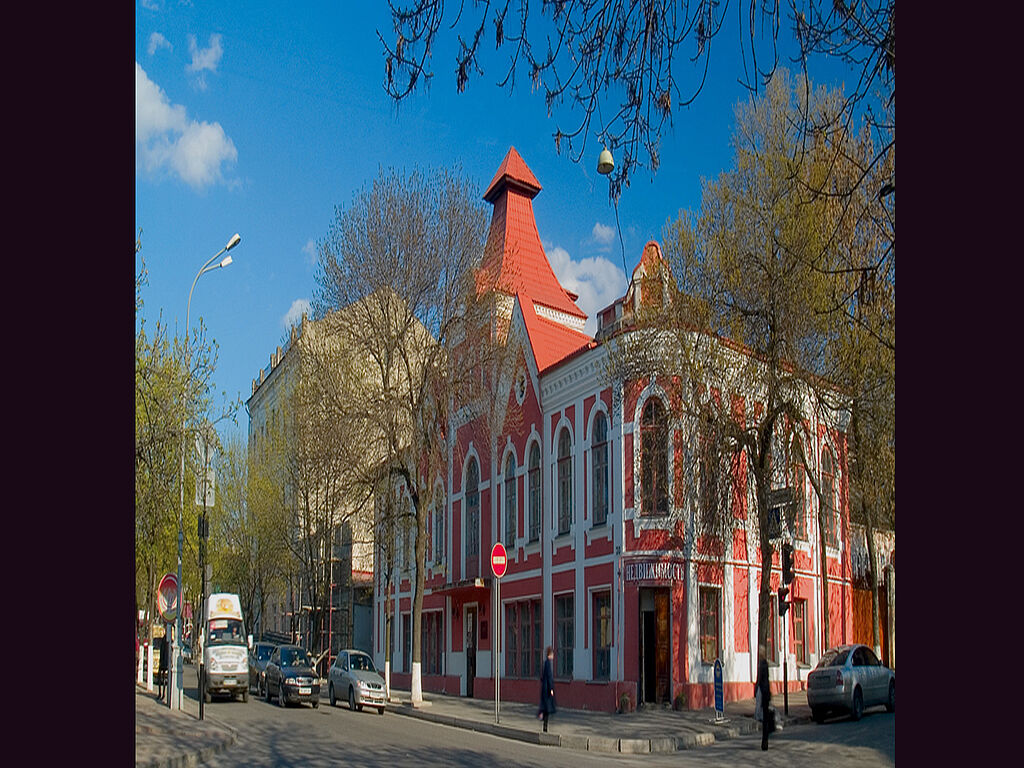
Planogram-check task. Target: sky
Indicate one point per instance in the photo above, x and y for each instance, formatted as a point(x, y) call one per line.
point(260, 118)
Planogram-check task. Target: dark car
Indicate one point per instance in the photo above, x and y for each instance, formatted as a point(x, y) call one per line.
point(850, 678)
point(258, 658)
point(289, 676)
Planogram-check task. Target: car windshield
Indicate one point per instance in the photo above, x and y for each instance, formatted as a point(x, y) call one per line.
point(263, 652)
point(225, 632)
point(834, 657)
point(362, 661)
point(295, 657)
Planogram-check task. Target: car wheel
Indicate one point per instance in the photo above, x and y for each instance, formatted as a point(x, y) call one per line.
point(330, 695)
point(858, 704)
point(351, 700)
point(315, 704)
point(380, 710)
point(266, 691)
point(818, 714)
point(890, 705)
point(280, 695)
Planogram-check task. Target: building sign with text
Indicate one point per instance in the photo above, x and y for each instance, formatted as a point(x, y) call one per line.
point(654, 570)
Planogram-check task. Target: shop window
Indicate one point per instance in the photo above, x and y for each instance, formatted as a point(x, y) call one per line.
point(710, 599)
point(564, 481)
point(799, 610)
point(599, 461)
point(602, 638)
point(654, 459)
point(535, 492)
point(565, 638)
point(510, 502)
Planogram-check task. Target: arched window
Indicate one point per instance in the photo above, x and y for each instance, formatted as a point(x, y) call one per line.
point(564, 481)
point(654, 459)
point(535, 492)
point(828, 491)
point(472, 546)
point(599, 467)
point(510, 501)
point(798, 524)
point(439, 527)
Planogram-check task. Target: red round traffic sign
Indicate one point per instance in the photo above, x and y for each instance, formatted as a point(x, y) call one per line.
point(167, 597)
point(499, 560)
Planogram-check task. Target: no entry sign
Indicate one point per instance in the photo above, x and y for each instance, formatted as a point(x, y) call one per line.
point(499, 560)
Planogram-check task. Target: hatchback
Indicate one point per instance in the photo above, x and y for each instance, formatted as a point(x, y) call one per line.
point(850, 678)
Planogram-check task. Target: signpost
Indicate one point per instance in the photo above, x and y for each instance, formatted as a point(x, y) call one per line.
point(719, 694)
point(499, 564)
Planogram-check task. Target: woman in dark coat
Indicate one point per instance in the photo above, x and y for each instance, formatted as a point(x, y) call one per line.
point(547, 689)
point(762, 685)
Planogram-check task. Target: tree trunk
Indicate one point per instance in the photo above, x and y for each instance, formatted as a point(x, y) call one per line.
point(417, 604)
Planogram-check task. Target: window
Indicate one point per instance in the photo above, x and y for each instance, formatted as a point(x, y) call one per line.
point(432, 641)
point(710, 601)
point(799, 609)
point(510, 502)
point(406, 642)
point(535, 494)
point(654, 459)
point(522, 639)
point(599, 460)
point(565, 638)
point(828, 489)
point(602, 638)
point(439, 528)
point(771, 647)
point(564, 481)
point(798, 510)
point(472, 514)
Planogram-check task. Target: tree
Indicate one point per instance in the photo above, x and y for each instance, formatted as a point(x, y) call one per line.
point(647, 58)
point(398, 269)
point(747, 319)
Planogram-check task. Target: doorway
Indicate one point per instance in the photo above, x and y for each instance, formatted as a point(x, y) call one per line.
point(655, 646)
point(470, 649)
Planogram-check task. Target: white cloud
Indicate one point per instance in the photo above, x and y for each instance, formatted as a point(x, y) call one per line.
point(204, 59)
point(603, 235)
point(158, 41)
point(167, 140)
point(151, 5)
point(597, 280)
point(294, 313)
point(310, 250)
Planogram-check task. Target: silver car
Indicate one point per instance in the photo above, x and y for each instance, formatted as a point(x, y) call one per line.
point(352, 676)
point(850, 678)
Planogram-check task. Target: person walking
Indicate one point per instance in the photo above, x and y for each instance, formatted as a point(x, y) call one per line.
point(162, 667)
point(547, 689)
point(764, 695)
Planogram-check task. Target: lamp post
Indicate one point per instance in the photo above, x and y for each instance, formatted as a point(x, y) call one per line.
point(176, 671)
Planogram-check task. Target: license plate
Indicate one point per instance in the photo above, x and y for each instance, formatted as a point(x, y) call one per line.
point(305, 691)
point(229, 681)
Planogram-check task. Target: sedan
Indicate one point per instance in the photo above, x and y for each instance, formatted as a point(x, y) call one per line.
point(850, 678)
point(290, 676)
point(353, 676)
point(258, 658)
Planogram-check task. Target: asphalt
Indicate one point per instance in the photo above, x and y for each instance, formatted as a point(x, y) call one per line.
point(179, 738)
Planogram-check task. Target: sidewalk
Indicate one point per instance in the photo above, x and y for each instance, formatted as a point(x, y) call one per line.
point(166, 739)
point(655, 729)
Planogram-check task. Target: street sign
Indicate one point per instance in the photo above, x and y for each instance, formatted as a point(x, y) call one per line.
point(719, 695)
point(167, 598)
point(499, 560)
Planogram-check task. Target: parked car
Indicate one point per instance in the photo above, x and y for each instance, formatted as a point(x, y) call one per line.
point(290, 676)
point(850, 678)
point(258, 658)
point(353, 676)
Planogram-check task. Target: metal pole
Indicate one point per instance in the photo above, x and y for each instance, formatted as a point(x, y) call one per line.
point(785, 666)
point(497, 651)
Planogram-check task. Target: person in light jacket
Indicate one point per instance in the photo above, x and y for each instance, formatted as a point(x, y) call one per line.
point(547, 689)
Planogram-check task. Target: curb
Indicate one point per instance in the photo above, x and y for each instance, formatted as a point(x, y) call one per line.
point(657, 745)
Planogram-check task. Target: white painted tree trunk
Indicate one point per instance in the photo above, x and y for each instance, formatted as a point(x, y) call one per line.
point(387, 679)
point(149, 671)
point(417, 684)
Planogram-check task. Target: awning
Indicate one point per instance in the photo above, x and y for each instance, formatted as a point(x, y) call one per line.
point(466, 589)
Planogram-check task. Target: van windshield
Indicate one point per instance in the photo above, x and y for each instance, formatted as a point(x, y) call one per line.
point(225, 632)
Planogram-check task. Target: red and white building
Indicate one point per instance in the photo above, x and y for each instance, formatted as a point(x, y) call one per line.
point(603, 565)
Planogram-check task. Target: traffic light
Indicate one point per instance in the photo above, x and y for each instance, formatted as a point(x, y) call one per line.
point(783, 603)
point(787, 563)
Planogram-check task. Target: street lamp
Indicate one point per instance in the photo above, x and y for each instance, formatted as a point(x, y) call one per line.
point(177, 671)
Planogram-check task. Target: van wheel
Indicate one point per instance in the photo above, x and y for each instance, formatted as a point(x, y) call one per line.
point(245, 696)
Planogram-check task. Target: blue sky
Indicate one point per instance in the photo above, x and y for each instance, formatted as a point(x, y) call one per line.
point(260, 118)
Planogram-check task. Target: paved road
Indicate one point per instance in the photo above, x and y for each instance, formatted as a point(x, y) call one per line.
point(299, 735)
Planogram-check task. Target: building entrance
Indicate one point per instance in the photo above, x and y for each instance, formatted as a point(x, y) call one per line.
point(655, 646)
point(470, 649)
